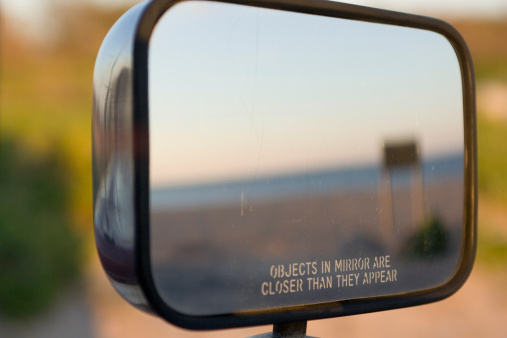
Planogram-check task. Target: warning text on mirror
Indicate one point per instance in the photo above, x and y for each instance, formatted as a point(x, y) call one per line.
point(328, 274)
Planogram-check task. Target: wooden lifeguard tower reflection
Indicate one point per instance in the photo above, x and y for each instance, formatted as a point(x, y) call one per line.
point(400, 155)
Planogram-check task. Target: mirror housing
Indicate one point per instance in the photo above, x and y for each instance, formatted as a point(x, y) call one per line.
point(124, 197)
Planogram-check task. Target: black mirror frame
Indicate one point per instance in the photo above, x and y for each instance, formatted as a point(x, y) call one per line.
point(133, 280)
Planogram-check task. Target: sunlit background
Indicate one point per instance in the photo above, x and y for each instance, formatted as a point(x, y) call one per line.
point(51, 284)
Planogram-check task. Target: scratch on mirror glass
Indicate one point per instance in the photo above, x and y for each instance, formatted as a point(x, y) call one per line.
point(242, 204)
point(249, 106)
point(249, 112)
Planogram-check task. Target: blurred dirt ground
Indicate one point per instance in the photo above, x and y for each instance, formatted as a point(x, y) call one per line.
point(478, 309)
point(93, 309)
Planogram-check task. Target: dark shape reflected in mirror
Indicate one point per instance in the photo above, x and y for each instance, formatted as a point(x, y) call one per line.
point(430, 242)
point(320, 162)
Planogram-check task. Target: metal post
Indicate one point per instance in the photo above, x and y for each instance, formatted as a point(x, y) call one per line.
point(401, 154)
point(286, 330)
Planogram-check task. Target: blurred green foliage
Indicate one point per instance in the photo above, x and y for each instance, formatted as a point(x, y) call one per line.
point(39, 251)
point(494, 68)
point(492, 248)
point(486, 40)
point(45, 155)
point(46, 92)
point(492, 184)
point(492, 157)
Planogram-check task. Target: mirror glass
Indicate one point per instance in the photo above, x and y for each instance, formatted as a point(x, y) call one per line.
point(298, 159)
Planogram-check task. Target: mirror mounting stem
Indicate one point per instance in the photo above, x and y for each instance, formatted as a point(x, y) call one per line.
point(286, 330)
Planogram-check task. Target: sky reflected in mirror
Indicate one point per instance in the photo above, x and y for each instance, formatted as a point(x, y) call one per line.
point(264, 88)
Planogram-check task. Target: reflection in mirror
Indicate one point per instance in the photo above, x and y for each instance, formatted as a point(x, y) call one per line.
point(297, 159)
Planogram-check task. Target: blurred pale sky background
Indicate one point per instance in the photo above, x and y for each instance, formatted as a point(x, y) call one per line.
point(452, 7)
point(36, 18)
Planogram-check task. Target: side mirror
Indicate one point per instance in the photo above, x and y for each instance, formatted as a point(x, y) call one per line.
point(283, 160)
